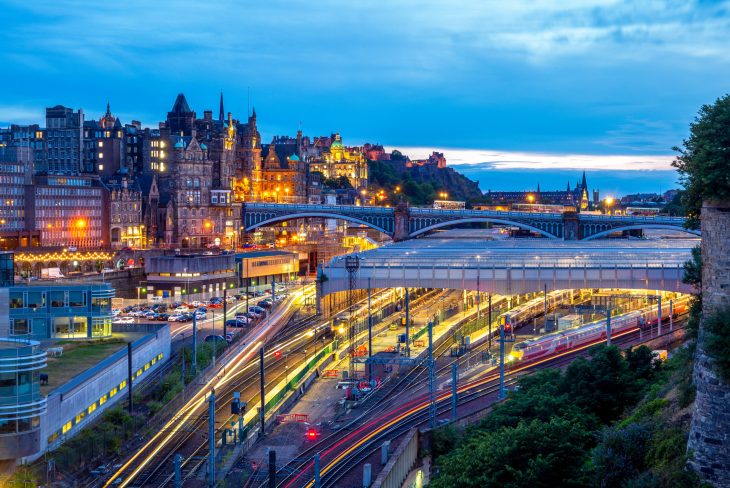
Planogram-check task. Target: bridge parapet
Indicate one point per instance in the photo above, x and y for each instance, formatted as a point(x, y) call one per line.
point(407, 222)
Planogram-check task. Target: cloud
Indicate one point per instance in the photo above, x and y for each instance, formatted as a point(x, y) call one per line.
point(505, 160)
point(17, 114)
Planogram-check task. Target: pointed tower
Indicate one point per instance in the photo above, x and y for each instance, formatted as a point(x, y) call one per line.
point(221, 112)
point(583, 184)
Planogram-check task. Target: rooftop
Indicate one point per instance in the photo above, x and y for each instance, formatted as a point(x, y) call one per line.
point(79, 356)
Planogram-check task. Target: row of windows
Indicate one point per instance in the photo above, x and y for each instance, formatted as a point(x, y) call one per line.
point(271, 262)
point(57, 298)
point(102, 400)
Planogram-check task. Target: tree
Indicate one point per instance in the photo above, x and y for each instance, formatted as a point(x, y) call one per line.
point(704, 160)
point(620, 455)
point(535, 454)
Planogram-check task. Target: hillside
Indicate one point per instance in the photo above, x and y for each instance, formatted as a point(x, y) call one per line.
point(421, 185)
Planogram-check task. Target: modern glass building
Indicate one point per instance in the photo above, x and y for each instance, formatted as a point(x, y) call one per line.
point(21, 402)
point(78, 311)
point(6, 269)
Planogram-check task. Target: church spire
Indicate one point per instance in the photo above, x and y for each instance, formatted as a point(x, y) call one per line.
point(568, 186)
point(584, 185)
point(221, 112)
point(108, 110)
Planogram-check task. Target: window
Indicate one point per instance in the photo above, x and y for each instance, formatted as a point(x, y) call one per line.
point(66, 427)
point(91, 408)
point(123, 385)
point(101, 155)
point(36, 299)
point(19, 327)
point(113, 392)
point(102, 400)
point(101, 143)
point(76, 298)
point(58, 298)
point(16, 299)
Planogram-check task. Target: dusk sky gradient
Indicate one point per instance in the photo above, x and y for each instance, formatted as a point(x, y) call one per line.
point(504, 87)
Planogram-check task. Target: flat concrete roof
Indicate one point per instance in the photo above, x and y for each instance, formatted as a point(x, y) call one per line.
point(514, 265)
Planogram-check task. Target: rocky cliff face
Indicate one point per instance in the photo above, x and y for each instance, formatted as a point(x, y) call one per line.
point(709, 438)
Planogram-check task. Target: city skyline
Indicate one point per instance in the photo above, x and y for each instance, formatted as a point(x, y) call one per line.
point(586, 78)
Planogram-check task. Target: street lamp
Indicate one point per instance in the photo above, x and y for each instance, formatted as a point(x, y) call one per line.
point(531, 198)
point(608, 202)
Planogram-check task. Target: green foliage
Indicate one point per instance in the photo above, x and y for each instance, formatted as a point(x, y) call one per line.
point(717, 341)
point(675, 207)
point(340, 183)
point(544, 434)
point(608, 383)
point(693, 269)
point(534, 454)
point(619, 455)
point(704, 160)
point(444, 440)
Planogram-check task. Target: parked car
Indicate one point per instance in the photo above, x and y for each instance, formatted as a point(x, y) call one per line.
point(200, 315)
point(257, 309)
point(181, 309)
point(254, 314)
point(123, 320)
point(178, 317)
point(267, 304)
point(187, 317)
point(162, 317)
point(215, 338)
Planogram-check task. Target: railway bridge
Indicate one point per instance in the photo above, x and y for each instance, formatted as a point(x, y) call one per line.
point(404, 222)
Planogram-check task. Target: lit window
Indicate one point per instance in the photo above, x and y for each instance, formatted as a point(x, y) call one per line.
point(66, 427)
point(123, 385)
point(92, 407)
point(113, 392)
point(101, 155)
point(139, 372)
point(160, 356)
point(80, 417)
point(147, 366)
point(101, 143)
point(102, 400)
point(101, 167)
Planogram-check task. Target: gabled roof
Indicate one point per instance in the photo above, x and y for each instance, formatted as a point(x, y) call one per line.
point(181, 105)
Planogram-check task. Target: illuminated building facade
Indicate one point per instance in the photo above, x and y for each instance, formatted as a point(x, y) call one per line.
point(338, 160)
point(42, 311)
point(126, 227)
point(69, 211)
point(248, 170)
point(577, 196)
point(284, 175)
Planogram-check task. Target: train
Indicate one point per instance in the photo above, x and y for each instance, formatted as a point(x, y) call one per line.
point(557, 342)
point(533, 308)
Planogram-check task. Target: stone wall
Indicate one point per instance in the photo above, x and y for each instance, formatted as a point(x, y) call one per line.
point(709, 439)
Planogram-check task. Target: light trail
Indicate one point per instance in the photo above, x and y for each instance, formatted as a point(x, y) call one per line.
point(412, 410)
point(176, 424)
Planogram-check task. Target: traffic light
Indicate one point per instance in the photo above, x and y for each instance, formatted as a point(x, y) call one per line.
point(277, 354)
point(312, 434)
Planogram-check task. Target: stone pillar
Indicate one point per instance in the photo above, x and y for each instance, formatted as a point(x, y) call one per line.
point(400, 226)
point(571, 226)
point(709, 437)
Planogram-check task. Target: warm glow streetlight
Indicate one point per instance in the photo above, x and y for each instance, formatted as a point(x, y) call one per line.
point(531, 198)
point(608, 202)
point(80, 223)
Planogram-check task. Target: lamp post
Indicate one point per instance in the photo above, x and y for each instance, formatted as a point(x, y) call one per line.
point(608, 202)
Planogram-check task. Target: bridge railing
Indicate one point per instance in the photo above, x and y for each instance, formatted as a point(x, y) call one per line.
point(309, 207)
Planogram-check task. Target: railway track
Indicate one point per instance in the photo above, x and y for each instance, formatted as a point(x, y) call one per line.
point(412, 414)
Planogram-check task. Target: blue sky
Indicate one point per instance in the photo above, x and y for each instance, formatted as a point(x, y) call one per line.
point(542, 85)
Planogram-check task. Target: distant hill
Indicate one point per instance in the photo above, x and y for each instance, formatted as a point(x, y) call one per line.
point(420, 185)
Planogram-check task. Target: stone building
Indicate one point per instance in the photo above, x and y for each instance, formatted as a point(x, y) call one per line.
point(127, 227)
point(284, 175)
point(104, 146)
point(248, 176)
point(338, 160)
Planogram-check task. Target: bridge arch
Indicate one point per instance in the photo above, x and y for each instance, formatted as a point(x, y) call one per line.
point(322, 215)
point(492, 220)
point(641, 226)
